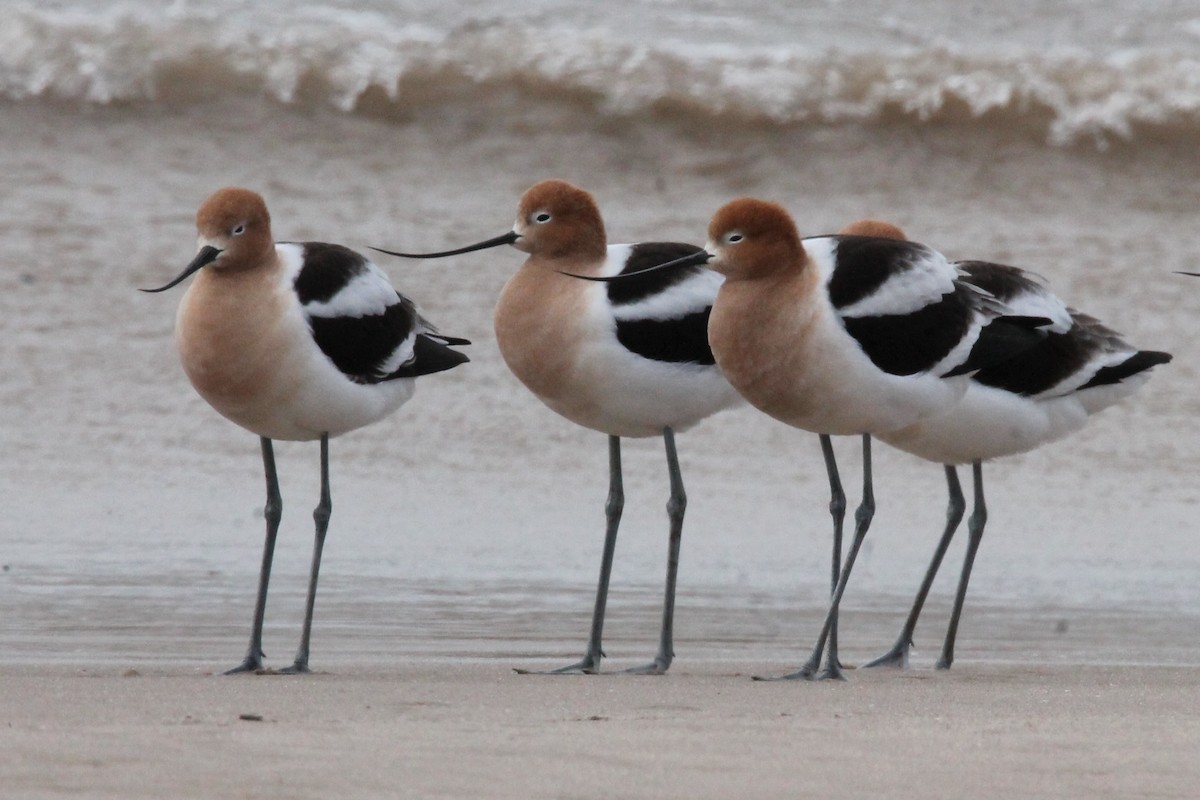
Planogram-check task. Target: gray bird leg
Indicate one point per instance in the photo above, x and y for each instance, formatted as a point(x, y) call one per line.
point(321, 516)
point(273, 512)
point(862, 521)
point(837, 510)
point(974, 536)
point(590, 664)
point(898, 655)
point(676, 505)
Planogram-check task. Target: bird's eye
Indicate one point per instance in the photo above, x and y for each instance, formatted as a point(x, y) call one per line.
point(541, 217)
point(239, 230)
point(733, 238)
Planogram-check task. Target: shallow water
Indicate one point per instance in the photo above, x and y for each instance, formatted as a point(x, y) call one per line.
point(469, 523)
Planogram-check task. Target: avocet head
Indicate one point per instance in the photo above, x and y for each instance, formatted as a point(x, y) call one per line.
point(234, 231)
point(557, 220)
point(751, 238)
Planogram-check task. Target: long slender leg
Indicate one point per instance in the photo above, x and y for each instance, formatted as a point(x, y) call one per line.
point(321, 516)
point(273, 512)
point(837, 510)
point(974, 537)
point(862, 521)
point(590, 664)
point(898, 655)
point(676, 506)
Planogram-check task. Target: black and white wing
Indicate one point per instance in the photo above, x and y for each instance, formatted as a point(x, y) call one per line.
point(1078, 352)
point(371, 332)
point(911, 313)
point(663, 315)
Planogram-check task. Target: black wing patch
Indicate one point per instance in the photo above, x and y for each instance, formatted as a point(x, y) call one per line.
point(431, 354)
point(864, 263)
point(328, 268)
point(905, 344)
point(1003, 339)
point(1053, 357)
point(1140, 361)
point(680, 340)
point(1047, 358)
point(1003, 282)
point(360, 346)
point(1042, 366)
point(1061, 355)
point(644, 256)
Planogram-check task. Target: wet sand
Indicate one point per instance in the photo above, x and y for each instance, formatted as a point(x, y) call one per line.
point(466, 528)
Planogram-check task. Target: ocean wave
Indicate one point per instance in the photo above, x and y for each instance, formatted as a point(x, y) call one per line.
point(355, 61)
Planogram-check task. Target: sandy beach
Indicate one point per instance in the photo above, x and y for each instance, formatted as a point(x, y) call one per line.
point(467, 527)
point(478, 730)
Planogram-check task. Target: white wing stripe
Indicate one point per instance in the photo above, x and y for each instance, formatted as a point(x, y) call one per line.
point(907, 291)
point(690, 296)
point(367, 294)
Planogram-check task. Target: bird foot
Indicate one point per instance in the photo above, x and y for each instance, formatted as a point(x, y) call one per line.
point(298, 668)
point(657, 667)
point(590, 665)
point(896, 658)
point(831, 672)
point(252, 663)
point(805, 673)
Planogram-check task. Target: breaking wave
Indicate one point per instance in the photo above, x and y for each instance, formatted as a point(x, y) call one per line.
point(366, 62)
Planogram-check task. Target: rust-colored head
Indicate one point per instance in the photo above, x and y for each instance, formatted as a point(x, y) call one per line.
point(234, 234)
point(235, 221)
point(560, 221)
point(751, 238)
point(876, 228)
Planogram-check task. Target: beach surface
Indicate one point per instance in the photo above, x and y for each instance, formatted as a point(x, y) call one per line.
point(467, 527)
point(707, 731)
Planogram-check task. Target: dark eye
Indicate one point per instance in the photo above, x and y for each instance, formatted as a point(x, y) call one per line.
point(541, 217)
point(734, 238)
point(239, 230)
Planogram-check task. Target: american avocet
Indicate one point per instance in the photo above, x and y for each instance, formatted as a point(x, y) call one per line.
point(631, 360)
point(845, 335)
point(1041, 394)
point(295, 341)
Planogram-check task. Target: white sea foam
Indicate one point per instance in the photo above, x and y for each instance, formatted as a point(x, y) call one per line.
point(345, 58)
